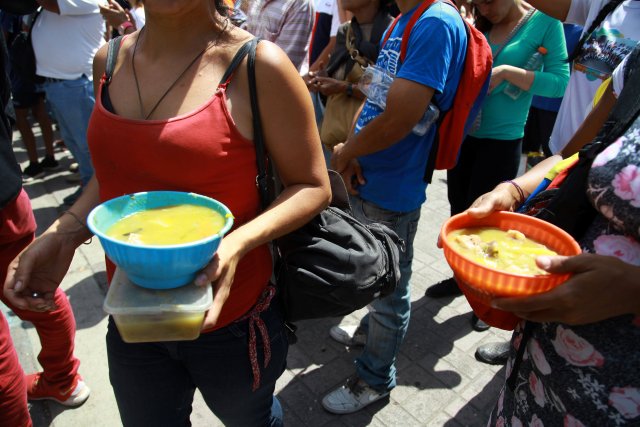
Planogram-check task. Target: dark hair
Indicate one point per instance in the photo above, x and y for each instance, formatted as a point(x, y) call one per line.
point(221, 7)
point(481, 23)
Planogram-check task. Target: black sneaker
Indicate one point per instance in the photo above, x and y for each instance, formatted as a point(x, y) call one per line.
point(478, 325)
point(533, 158)
point(493, 353)
point(444, 288)
point(33, 171)
point(50, 163)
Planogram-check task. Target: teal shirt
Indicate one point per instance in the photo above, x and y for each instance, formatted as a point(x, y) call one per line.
point(504, 118)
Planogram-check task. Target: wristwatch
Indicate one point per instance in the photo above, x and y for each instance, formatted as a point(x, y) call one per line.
point(349, 90)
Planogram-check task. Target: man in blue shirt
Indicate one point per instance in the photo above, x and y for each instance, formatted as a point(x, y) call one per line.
point(383, 165)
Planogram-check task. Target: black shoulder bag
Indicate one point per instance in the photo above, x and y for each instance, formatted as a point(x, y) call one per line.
point(334, 264)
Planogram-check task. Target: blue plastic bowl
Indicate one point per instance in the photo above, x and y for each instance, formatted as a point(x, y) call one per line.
point(157, 266)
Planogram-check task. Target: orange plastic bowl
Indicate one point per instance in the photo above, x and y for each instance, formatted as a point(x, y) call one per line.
point(483, 283)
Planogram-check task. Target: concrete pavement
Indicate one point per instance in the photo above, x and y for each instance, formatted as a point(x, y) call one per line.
point(439, 381)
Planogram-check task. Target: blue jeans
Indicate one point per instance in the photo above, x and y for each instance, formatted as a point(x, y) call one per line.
point(72, 103)
point(388, 319)
point(154, 383)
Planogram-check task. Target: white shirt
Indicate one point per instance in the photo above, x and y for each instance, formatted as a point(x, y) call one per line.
point(335, 20)
point(605, 49)
point(139, 17)
point(324, 6)
point(65, 44)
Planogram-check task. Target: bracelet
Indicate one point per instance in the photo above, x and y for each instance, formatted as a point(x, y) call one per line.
point(518, 188)
point(76, 217)
point(83, 224)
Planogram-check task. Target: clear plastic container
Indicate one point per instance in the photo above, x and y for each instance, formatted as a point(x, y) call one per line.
point(428, 119)
point(375, 83)
point(148, 315)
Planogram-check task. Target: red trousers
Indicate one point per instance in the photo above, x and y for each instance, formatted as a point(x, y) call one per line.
point(56, 329)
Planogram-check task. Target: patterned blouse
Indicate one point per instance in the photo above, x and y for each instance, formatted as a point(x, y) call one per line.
point(587, 375)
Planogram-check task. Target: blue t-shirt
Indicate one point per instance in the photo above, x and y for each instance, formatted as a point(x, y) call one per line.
point(434, 58)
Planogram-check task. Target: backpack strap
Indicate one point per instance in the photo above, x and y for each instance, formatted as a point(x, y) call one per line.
point(412, 22)
point(604, 12)
point(112, 58)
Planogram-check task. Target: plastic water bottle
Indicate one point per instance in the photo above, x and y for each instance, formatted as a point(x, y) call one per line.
point(375, 83)
point(429, 118)
point(533, 64)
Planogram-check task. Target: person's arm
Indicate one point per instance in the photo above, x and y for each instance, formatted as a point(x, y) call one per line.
point(552, 81)
point(118, 18)
point(558, 9)
point(38, 270)
point(592, 124)
point(292, 141)
point(336, 21)
point(505, 196)
point(323, 59)
point(294, 34)
point(328, 86)
point(600, 288)
point(42, 265)
point(406, 103)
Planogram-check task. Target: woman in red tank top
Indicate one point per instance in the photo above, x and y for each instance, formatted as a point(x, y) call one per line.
point(162, 122)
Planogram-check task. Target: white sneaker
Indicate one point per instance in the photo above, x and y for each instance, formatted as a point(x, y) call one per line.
point(39, 389)
point(350, 335)
point(351, 397)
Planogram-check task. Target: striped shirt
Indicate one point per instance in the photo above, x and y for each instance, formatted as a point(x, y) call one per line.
point(287, 23)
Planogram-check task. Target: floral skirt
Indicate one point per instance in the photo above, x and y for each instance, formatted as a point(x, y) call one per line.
point(574, 376)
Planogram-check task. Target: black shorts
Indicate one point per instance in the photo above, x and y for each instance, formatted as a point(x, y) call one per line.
point(24, 94)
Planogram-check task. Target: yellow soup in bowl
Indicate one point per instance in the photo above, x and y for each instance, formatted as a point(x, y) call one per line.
point(509, 251)
point(170, 225)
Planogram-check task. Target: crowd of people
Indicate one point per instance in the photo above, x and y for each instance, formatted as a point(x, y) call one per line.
point(555, 90)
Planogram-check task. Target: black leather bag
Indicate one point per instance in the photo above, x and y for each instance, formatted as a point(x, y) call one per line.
point(334, 264)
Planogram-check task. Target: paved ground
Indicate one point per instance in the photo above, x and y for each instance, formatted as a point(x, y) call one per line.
point(439, 382)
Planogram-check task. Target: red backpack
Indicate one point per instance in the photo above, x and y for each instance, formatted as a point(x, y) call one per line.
point(455, 123)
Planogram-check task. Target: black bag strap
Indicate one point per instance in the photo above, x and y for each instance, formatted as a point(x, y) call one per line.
point(604, 12)
point(239, 57)
point(264, 179)
point(258, 136)
point(626, 109)
point(112, 58)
